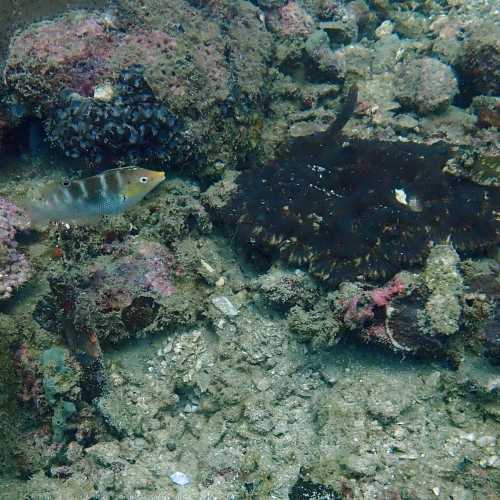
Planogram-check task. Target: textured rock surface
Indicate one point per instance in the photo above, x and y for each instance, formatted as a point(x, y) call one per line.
point(425, 85)
point(14, 267)
point(16, 14)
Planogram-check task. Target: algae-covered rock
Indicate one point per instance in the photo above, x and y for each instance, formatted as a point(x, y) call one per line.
point(18, 13)
point(8, 394)
point(317, 325)
point(425, 85)
point(174, 214)
point(479, 62)
point(286, 289)
point(445, 284)
point(318, 49)
point(61, 383)
point(116, 295)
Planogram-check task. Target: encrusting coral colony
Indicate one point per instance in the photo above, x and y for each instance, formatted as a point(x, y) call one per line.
point(307, 305)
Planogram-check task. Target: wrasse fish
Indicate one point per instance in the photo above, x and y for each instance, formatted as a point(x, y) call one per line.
point(85, 200)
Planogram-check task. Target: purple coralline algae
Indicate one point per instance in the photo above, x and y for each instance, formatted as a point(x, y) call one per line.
point(145, 268)
point(291, 20)
point(72, 51)
point(14, 267)
point(116, 295)
point(81, 51)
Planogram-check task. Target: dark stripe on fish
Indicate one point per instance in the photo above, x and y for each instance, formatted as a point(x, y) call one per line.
point(93, 185)
point(74, 190)
point(111, 181)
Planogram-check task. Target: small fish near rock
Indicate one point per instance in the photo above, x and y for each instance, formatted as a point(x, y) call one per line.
point(85, 200)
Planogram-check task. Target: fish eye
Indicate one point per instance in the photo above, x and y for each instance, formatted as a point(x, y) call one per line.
point(143, 180)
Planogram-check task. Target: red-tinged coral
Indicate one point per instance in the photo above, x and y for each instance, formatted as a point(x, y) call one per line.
point(117, 295)
point(382, 296)
point(364, 306)
point(357, 314)
point(291, 20)
point(28, 372)
point(142, 267)
point(367, 311)
point(70, 52)
point(14, 267)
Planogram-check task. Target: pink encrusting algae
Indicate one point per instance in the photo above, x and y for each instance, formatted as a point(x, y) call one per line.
point(14, 267)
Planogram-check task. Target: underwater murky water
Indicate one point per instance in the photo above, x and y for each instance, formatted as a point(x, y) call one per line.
point(249, 249)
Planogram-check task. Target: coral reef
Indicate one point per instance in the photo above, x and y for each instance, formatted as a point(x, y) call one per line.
point(129, 125)
point(151, 358)
point(14, 267)
point(189, 66)
point(412, 313)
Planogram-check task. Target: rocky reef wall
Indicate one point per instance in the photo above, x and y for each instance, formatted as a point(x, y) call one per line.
point(349, 348)
point(16, 14)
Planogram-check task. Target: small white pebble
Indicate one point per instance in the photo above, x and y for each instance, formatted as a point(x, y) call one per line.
point(180, 478)
point(436, 490)
point(104, 92)
point(384, 30)
point(207, 266)
point(225, 306)
point(484, 441)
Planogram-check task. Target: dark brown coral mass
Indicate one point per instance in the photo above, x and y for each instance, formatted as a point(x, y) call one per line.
point(344, 208)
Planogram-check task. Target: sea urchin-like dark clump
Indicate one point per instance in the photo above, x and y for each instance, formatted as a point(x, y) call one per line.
point(130, 125)
point(344, 209)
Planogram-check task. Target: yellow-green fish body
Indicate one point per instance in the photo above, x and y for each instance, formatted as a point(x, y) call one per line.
point(109, 193)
